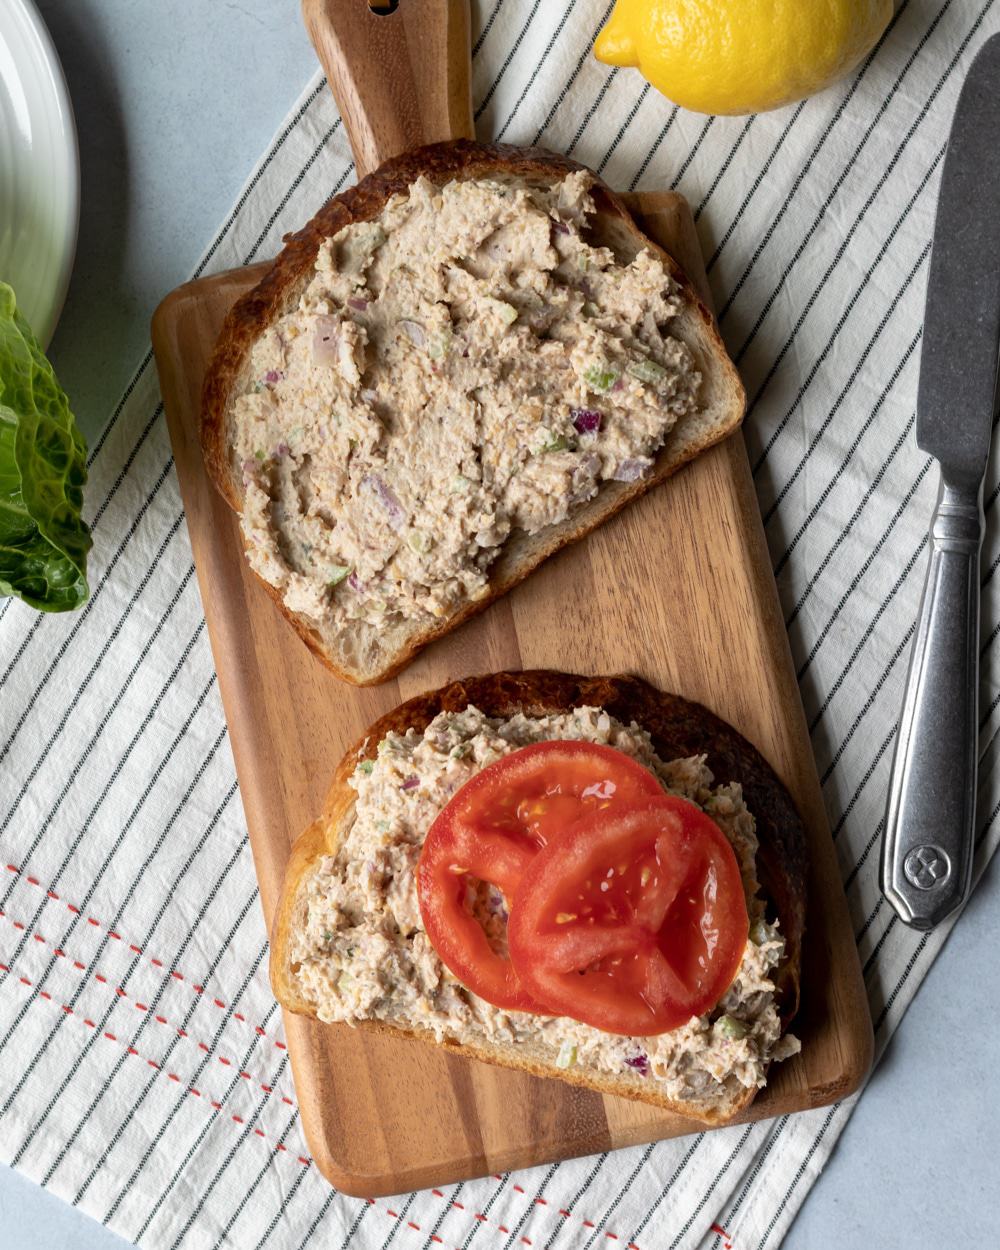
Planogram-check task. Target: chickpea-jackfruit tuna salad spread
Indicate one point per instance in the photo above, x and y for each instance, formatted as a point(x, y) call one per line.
point(466, 365)
point(360, 951)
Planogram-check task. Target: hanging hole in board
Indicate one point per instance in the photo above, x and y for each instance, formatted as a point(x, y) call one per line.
point(383, 8)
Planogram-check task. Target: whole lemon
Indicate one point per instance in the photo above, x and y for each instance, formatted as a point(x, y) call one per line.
point(741, 56)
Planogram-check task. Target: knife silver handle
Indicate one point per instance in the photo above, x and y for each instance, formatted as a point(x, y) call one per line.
point(930, 816)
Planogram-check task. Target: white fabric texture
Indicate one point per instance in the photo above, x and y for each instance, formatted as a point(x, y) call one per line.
point(142, 1069)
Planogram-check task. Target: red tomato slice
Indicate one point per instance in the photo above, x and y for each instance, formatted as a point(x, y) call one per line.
point(632, 921)
point(492, 829)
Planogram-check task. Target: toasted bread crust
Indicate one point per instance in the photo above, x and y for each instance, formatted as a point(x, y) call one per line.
point(281, 286)
point(678, 729)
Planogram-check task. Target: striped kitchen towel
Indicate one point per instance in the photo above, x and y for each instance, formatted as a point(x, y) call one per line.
point(143, 1073)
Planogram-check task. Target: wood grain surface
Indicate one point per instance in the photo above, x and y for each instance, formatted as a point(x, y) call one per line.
point(400, 79)
point(677, 589)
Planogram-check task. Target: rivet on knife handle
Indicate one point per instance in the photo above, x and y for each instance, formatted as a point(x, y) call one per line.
point(930, 818)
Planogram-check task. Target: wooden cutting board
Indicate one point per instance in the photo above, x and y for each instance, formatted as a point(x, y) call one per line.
point(677, 589)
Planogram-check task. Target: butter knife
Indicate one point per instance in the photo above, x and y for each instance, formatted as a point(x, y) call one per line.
point(929, 832)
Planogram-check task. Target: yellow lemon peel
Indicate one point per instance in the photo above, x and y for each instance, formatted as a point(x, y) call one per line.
point(741, 56)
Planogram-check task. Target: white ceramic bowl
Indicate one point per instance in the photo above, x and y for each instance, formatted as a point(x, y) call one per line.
point(39, 168)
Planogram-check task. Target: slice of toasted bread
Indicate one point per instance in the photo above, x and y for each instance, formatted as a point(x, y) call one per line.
point(679, 729)
point(363, 653)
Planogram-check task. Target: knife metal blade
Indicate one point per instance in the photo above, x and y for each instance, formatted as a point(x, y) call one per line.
point(956, 399)
point(928, 840)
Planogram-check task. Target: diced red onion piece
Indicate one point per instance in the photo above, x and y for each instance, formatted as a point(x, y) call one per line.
point(495, 904)
point(358, 304)
point(619, 385)
point(282, 449)
point(639, 1063)
point(272, 376)
point(414, 331)
point(388, 500)
point(326, 341)
point(249, 466)
point(586, 420)
point(354, 584)
point(560, 227)
point(410, 783)
point(631, 471)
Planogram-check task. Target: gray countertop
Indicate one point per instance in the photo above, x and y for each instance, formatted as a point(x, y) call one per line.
point(168, 133)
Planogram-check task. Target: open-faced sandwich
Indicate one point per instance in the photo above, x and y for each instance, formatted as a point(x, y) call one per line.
point(582, 878)
point(460, 365)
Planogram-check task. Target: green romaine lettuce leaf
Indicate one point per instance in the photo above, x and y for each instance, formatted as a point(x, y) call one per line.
point(43, 469)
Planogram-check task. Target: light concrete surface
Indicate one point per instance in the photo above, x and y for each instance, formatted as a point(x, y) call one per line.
point(169, 131)
point(167, 140)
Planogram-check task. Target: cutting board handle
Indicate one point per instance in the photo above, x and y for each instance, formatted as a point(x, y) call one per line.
point(400, 79)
